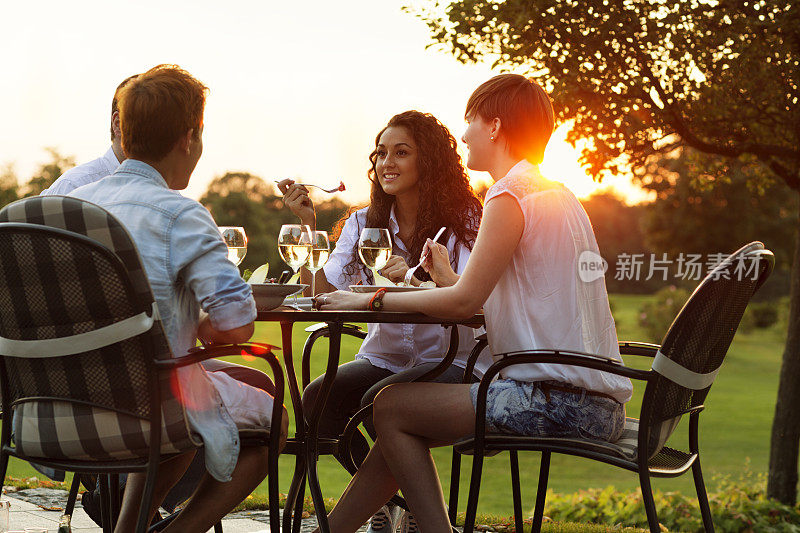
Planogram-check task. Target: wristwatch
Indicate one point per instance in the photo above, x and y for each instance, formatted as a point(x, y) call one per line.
point(376, 302)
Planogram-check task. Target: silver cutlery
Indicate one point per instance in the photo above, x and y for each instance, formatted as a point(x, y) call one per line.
point(410, 272)
point(338, 188)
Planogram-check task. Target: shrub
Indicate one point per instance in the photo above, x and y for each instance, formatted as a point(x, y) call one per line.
point(656, 316)
point(739, 505)
point(764, 314)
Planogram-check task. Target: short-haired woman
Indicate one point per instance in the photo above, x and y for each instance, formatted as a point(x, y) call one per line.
point(523, 273)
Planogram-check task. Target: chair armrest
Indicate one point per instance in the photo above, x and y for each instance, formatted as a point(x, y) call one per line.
point(254, 349)
point(567, 357)
point(560, 357)
point(644, 349)
point(200, 354)
point(318, 330)
point(480, 345)
point(349, 329)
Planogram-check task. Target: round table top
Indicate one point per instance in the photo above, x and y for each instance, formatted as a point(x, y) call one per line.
point(287, 314)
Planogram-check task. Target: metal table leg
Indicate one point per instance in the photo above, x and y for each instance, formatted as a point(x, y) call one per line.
point(312, 421)
point(298, 477)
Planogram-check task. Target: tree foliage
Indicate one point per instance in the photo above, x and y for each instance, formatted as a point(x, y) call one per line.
point(44, 176)
point(697, 213)
point(243, 199)
point(642, 78)
point(8, 186)
point(47, 173)
point(619, 230)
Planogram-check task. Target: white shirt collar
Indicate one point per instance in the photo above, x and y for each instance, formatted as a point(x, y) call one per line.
point(394, 227)
point(110, 160)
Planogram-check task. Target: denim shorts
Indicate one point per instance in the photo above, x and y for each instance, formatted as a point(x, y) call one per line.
point(535, 410)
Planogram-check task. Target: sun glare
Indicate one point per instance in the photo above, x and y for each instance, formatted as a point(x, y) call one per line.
point(561, 164)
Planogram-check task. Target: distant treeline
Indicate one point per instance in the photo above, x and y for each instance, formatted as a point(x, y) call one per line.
point(682, 222)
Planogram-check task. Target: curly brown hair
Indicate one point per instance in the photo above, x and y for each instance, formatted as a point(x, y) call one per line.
point(446, 197)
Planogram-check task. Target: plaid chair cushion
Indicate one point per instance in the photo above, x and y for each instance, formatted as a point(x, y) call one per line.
point(54, 288)
point(64, 430)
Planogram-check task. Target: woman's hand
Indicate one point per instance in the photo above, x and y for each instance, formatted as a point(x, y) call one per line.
point(437, 264)
point(296, 198)
point(396, 269)
point(343, 300)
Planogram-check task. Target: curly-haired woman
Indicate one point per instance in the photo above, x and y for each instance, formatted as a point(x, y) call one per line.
point(418, 185)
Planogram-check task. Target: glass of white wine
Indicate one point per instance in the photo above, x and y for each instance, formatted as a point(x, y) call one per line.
point(320, 251)
point(375, 248)
point(294, 245)
point(236, 241)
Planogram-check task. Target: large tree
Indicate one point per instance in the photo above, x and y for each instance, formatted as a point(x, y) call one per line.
point(645, 77)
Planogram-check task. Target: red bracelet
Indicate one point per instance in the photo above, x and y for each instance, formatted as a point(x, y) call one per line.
point(376, 302)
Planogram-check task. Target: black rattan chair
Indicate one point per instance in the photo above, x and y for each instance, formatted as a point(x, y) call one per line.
point(85, 367)
point(681, 375)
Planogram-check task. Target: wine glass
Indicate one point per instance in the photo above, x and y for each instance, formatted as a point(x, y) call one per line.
point(320, 251)
point(375, 248)
point(236, 241)
point(294, 246)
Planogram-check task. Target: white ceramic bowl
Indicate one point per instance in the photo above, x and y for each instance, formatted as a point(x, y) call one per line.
point(270, 295)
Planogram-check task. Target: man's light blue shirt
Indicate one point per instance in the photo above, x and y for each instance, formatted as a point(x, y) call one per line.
point(186, 262)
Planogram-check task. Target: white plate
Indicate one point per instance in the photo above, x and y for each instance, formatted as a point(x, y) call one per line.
point(270, 295)
point(393, 288)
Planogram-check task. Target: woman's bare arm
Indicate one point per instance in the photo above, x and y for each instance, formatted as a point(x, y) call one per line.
point(498, 237)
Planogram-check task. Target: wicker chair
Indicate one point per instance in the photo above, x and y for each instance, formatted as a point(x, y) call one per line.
point(681, 375)
point(85, 367)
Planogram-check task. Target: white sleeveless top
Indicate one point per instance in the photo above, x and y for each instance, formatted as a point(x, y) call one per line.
point(540, 301)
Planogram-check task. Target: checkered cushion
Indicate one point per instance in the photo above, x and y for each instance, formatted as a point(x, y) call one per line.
point(67, 430)
point(54, 287)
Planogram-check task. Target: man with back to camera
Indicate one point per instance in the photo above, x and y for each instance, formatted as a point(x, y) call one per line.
point(91, 172)
point(161, 120)
point(98, 168)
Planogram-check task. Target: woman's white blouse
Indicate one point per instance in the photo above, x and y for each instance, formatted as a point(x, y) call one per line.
point(540, 300)
point(398, 347)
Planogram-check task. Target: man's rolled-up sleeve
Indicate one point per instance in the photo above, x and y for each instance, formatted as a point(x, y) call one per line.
point(200, 260)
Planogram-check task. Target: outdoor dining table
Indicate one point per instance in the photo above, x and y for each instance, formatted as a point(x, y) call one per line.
point(306, 445)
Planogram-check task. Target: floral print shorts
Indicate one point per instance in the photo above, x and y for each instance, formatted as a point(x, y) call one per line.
point(535, 410)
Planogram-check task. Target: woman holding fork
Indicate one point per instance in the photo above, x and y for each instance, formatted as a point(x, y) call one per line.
point(418, 185)
point(523, 273)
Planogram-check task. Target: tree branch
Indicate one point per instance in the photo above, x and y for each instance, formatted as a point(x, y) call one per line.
point(791, 178)
point(765, 152)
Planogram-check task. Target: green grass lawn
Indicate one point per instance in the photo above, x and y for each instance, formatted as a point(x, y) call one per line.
point(734, 431)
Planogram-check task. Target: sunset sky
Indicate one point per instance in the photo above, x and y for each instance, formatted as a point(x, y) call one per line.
point(297, 89)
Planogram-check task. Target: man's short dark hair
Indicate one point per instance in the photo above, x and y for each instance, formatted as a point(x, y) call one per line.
point(115, 100)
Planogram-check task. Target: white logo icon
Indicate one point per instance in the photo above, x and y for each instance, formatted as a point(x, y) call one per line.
point(591, 266)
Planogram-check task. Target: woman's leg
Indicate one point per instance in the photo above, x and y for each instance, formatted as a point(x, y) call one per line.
point(352, 380)
point(410, 418)
point(452, 374)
